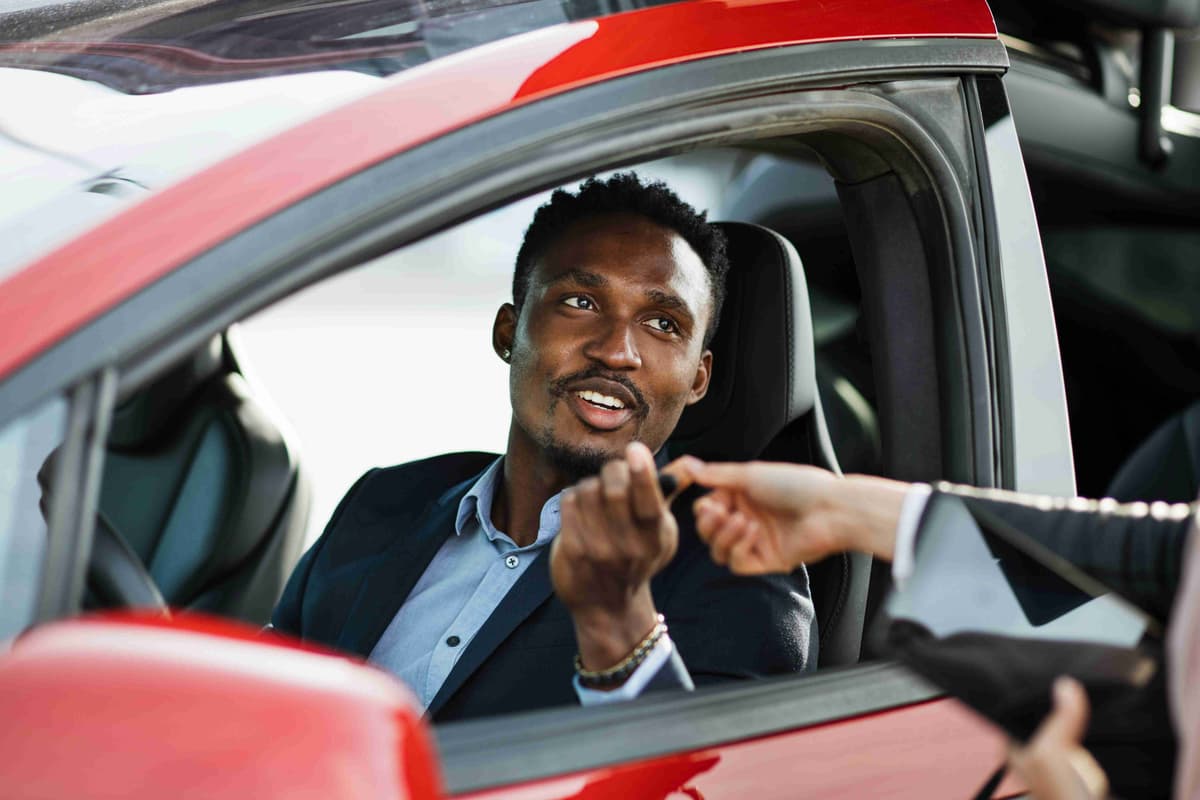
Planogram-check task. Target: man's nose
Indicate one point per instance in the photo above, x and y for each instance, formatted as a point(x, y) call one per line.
point(614, 346)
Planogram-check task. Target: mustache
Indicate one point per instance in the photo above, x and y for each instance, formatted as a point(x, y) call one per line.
point(561, 386)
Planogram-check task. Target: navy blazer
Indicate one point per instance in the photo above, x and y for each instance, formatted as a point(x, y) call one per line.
point(347, 588)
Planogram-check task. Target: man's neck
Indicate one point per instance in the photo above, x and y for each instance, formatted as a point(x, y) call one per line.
point(526, 484)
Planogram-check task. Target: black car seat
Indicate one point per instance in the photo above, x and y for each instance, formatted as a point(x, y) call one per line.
point(1166, 466)
point(762, 401)
point(202, 487)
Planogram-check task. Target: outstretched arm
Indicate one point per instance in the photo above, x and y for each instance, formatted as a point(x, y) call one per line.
point(764, 517)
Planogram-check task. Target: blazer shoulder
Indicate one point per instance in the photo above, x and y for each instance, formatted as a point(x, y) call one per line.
point(388, 500)
point(445, 470)
point(409, 487)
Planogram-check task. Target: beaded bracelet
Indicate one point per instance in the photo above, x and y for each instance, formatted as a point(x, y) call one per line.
point(617, 675)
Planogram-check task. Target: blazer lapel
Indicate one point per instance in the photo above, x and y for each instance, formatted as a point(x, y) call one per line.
point(389, 582)
point(533, 589)
point(530, 591)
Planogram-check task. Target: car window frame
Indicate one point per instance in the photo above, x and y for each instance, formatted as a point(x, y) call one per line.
point(70, 510)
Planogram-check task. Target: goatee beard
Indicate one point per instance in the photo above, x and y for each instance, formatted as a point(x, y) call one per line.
point(575, 463)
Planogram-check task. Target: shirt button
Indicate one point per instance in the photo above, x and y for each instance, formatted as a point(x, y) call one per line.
point(512, 562)
point(453, 641)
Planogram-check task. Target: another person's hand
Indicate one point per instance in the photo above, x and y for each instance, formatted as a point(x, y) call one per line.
point(764, 517)
point(617, 533)
point(1054, 764)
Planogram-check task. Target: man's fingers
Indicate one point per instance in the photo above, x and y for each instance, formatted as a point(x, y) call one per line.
point(591, 514)
point(646, 499)
point(572, 531)
point(614, 479)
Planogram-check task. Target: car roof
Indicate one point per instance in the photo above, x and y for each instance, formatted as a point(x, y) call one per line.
point(81, 279)
point(146, 47)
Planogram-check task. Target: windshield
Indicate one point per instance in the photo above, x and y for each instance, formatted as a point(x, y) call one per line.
point(142, 47)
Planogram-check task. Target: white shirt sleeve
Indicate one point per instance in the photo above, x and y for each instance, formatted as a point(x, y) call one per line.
point(635, 684)
point(906, 531)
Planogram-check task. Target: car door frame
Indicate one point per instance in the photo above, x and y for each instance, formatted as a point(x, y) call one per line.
point(426, 189)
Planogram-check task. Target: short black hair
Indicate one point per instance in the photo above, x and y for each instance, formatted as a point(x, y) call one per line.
point(624, 193)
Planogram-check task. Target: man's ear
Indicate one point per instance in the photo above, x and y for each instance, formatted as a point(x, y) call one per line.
point(504, 331)
point(703, 373)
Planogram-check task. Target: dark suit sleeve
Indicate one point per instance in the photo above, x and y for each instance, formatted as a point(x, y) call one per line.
point(287, 616)
point(729, 627)
point(1136, 549)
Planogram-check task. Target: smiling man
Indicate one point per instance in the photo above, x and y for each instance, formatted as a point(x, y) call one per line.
point(552, 573)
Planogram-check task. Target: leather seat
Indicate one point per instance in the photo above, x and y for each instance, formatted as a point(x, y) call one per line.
point(763, 402)
point(201, 485)
point(1166, 466)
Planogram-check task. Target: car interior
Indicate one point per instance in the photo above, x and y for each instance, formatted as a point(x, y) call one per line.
point(202, 487)
point(1118, 230)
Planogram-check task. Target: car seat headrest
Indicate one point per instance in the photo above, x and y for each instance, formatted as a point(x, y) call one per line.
point(148, 412)
point(763, 372)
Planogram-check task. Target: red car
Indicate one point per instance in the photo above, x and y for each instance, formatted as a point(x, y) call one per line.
point(152, 290)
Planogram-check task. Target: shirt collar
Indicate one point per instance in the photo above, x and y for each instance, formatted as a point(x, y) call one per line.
point(476, 508)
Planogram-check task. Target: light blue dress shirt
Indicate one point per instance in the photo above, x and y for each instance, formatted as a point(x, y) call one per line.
point(463, 585)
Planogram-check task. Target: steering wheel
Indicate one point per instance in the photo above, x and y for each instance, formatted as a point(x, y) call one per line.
point(116, 577)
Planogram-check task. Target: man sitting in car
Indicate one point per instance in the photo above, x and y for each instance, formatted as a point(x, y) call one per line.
point(551, 574)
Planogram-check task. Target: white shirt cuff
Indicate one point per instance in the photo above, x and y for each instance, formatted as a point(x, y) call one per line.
point(906, 531)
point(635, 684)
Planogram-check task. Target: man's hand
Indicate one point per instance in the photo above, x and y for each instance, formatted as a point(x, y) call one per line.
point(1054, 764)
point(617, 533)
point(763, 517)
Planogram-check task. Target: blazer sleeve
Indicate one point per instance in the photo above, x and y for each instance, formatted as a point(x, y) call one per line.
point(288, 614)
point(1136, 549)
point(729, 627)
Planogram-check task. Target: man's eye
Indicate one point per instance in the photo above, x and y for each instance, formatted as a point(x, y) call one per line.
point(580, 302)
point(664, 324)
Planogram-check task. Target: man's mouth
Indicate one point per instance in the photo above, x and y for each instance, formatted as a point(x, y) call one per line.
point(601, 403)
point(599, 411)
point(601, 400)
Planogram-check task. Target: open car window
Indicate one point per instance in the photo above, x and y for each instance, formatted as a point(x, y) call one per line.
point(392, 361)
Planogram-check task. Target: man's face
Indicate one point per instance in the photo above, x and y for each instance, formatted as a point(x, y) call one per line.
point(608, 345)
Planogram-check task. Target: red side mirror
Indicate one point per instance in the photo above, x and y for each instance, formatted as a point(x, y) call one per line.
point(133, 708)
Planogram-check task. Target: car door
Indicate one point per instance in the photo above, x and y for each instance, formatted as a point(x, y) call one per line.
point(916, 133)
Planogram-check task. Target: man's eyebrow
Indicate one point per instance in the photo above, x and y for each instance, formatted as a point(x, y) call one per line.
point(592, 280)
point(671, 302)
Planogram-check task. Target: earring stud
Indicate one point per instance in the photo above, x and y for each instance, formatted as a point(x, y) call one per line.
point(507, 354)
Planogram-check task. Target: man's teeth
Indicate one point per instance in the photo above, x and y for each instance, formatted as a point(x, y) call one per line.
point(601, 399)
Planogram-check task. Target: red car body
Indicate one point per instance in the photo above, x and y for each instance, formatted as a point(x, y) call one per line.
point(133, 707)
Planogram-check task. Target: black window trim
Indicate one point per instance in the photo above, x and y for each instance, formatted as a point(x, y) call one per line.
point(71, 510)
point(986, 103)
point(490, 753)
